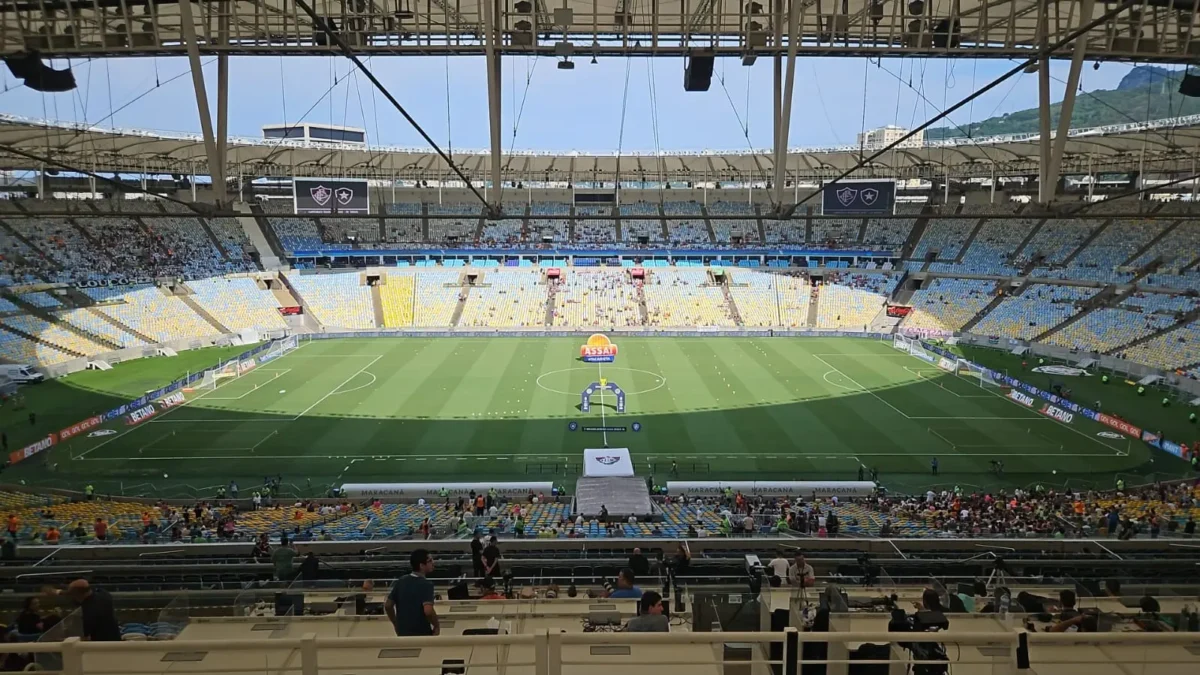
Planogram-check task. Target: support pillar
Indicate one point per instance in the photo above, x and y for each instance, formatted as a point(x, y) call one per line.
point(216, 164)
point(785, 110)
point(222, 95)
point(1045, 191)
point(492, 63)
point(1068, 102)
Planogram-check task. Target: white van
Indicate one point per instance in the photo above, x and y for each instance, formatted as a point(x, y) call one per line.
point(21, 374)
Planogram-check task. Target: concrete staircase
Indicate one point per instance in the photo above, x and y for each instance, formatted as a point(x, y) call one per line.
point(49, 317)
point(862, 231)
point(1165, 231)
point(571, 225)
point(617, 220)
point(195, 307)
point(993, 304)
point(121, 325)
point(808, 235)
point(213, 237)
point(270, 254)
point(970, 240)
point(1101, 299)
point(551, 302)
point(813, 304)
point(762, 231)
point(1184, 319)
point(1086, 242)
point(643, 311)
point(733, 310)
point(1029, 237)
point(377, 305)
point(462, 304)
point(38, 340)
point(49, 262)
point(712, 234)
point(914, 236)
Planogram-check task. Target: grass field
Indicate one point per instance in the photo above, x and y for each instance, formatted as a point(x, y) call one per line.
point(457, 409)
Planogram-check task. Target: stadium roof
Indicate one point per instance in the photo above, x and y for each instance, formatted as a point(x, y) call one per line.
point(1160, 146)
point(1148, 31)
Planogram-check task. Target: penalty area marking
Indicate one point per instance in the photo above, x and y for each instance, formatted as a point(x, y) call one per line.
point(280, 372)
point(662, 380)
point(924, 375)
point(361, 386)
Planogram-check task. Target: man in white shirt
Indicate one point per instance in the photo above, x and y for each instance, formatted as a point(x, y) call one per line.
point(801, 572)
point(779, 566)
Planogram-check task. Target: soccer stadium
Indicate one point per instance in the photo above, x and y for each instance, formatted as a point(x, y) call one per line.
point(299, 382)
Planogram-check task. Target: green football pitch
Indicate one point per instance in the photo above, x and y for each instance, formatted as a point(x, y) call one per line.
point(454, 409)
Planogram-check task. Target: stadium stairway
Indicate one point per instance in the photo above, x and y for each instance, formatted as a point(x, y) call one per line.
point(186, 297)
point(814, 302)
point(1101, 299)
point(914, 236)
point(212, 236)
point(551, 302)
point(1016, 254)
point(262, 238)
point(904, 290)
point(995, 302)
point(38, 340)
point(46, 260)
point(1153, 242)
point(462, 304)
point(643, 311)
point(733, 309)
point(1183, 320)
point(121, 326)
point(808, 235)
point(377, 306)
point(712, 234)
point(762, 231)
point(862, 231)
point(49, 317)
point(617, 220)
point(1086, 242)
point(1147, 269)
point(970, 240)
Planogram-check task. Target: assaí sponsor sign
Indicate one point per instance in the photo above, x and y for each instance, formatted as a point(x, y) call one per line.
point(141, 415)
point(79, 428)
point(1021, 397)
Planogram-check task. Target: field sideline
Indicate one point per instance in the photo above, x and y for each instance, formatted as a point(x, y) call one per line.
point(444, 409)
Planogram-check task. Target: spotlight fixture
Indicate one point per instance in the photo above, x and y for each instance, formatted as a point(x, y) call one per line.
point(593, 59)
point(916, 7)
point(566, 64)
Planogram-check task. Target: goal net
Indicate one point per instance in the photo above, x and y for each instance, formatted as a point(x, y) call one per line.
point(902, 343)
point(977, 375)
point(207, 381)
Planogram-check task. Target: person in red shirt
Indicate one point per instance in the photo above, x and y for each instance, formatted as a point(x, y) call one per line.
point(14, 524)
point(101, 529)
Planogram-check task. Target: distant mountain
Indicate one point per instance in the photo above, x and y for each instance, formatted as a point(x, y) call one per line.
point(1145, 93)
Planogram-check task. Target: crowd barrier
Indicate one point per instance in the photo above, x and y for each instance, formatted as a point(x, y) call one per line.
point(557, 653)
point(631, 332)
point(1117, 424)
point(138, 407)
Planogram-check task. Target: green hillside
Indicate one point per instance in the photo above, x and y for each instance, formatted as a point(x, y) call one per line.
point(1146, 93)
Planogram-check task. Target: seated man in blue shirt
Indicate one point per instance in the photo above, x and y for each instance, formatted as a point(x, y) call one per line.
point(625, 587)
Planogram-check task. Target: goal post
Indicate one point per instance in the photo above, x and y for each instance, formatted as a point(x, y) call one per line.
point(901, 342)
point(977, 375)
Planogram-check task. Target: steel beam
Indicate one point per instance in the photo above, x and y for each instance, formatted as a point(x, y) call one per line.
point(785, 111)
point(493, 63)
point(1068, 102)
point(222, 97)
point(216, 164)
point(1045, 190)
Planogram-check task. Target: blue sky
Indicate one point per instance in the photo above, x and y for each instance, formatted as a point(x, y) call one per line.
point(559, 110)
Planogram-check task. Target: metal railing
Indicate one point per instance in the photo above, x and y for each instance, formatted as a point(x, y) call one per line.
point(555, 653)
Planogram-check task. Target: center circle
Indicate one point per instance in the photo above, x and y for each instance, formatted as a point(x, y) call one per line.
point(659, 380)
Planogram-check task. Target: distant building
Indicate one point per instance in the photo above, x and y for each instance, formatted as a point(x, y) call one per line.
point(876, 139)
point(316, 133)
